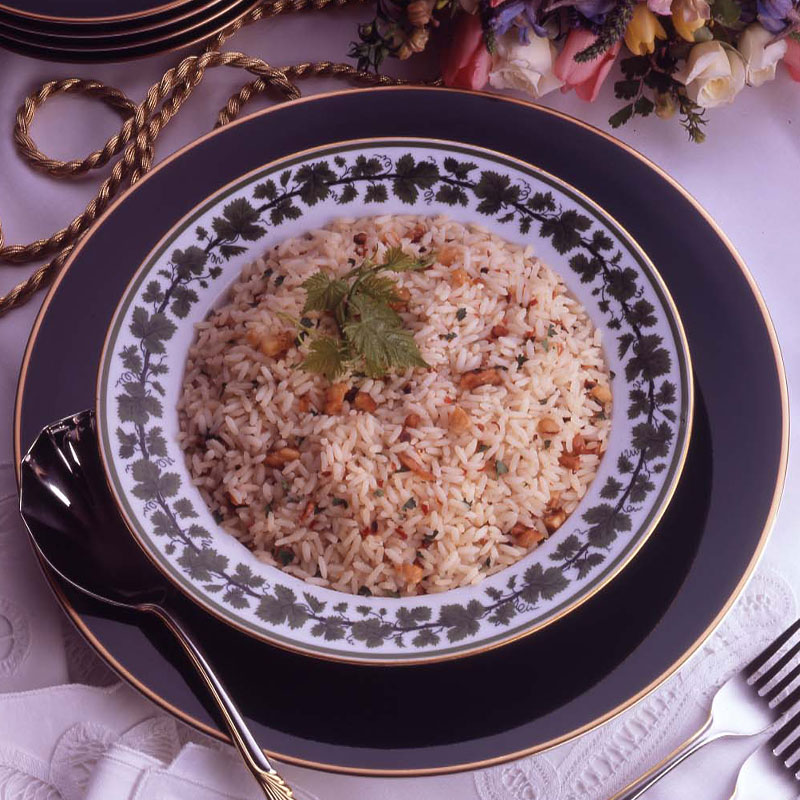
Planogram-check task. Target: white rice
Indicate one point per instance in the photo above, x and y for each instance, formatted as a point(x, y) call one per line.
point(238, 405)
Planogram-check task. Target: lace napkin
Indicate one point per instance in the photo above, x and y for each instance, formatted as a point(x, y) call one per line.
point(70, 731)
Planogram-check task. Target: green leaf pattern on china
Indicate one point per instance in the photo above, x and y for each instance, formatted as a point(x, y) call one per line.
point(170, 297)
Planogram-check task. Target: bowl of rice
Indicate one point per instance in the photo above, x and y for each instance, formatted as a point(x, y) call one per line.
point(394, 401)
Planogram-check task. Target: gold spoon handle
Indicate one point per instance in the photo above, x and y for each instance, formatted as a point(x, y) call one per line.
point(272, 785)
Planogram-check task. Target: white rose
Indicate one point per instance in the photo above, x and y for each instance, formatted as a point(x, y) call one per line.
point(527, 67)
point(713, 74)
point(760, 53)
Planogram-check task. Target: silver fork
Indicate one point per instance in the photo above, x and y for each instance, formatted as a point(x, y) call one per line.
point(759, 778)
point(745, 705)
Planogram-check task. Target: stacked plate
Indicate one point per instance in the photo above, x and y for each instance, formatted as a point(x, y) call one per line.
point(87, 31)
point(653, 552)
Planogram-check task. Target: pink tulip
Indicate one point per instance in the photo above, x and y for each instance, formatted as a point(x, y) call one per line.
point(792, 57)
point(466, 61)
point(586, 77)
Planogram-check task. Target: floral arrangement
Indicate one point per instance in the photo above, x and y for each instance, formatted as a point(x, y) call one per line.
point(679, 56)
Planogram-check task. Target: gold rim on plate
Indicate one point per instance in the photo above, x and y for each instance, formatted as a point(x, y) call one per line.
point(302, 762)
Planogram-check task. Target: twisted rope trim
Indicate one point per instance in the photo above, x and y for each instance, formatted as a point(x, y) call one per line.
point(134, 144)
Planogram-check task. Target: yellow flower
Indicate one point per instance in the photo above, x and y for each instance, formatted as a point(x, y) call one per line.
point(642, 31)
point(686, 29)
point(689, 16)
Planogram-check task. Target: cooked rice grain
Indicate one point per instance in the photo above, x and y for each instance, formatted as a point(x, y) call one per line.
point(346, 514)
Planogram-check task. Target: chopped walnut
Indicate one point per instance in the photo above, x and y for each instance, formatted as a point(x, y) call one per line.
point(412, 420)
point(480, 377)
point(363, 402)
point(555, 519)
point(525, 536)
point(547, 425)
point(272, 345)
point(303, 404)
point(418, 231)
point(459, 420)
point(447, 255)
point(334, 398)
point(401, 298)
point(307, 511)
point(360, 238)
point(412, 573)
point(280, 458)
point(498, 331)
point(601, 393)
point(458, 278)
point(408, 461)
point(569, 460)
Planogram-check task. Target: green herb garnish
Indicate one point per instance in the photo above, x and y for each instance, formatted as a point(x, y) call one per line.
point(461, 313)
point(482, 448)
point(409, 504)
point(547, 443)
point(371, 336)
point(339, 501)
point(218, 516)
point(500, 468)
point(379, 493)
point(448, 337)
point(285, 556)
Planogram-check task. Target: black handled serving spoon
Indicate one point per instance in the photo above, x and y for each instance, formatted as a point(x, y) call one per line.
point(78, 531)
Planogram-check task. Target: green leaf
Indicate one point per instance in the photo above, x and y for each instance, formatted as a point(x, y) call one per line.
point(136, 406)
point(153, 293)
point(323, 293)
point(666, 395)
point(411, 618)
point(623, 343)
point(644, 106)
point(162, 524)
point(627, 89)
point(282, 607)
point(458, 169)
point(329, 629)
point(606, 522)
point(380, 340)
point(495, 191)
point(198, 532)
point(564, 230)
point(348, 194)
point(641, 487)
point(151, 483)
point(541, 201)
point(325, 356)
point(266, 190)
point(235, 598)
point(650, 360)
point(376, 193)
point(612, 489)
point(396, 260)
point(503, 614)
point(183, 508)
point(641, 314)
point(314, 180)
point(411, 176)
point(621, 284)
point(190, 261)
point(728, 12)
point(601, 241)
point(652, 440)
point(239, 219)
point(624, 465)
point(366, 167)
point(183, 299)
point(640, 403)
point(317, 606)
point(425, 638)
point(586, 565)
point(619, 118)
point(156, 443)
point(566, 548)
point(451, 195)
point(131, 359)
point(228, 251)
point(127, 443)
point(379, 288)
point(587, 268)
point(373, 632)
point(284, 179)
point(203, 564)
point(461, 621)
point(285, 209)
point(152, 330)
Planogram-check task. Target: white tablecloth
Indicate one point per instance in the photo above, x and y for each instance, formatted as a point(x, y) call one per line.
point(69, 730)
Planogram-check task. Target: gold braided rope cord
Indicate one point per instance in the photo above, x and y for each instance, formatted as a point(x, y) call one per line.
point(143, 122)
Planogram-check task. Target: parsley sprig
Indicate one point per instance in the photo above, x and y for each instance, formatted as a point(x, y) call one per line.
point(371, 337)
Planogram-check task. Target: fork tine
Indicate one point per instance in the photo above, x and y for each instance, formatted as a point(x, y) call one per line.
point(788, 702)
point(784, 733)
point(783, 684)
point(765, 677)
point(768, 652)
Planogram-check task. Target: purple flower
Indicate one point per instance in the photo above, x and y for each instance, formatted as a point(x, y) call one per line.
point(520, 14)
point(595, 10)
point(772, 14)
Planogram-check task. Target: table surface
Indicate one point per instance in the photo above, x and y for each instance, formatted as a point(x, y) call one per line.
point(745, 175)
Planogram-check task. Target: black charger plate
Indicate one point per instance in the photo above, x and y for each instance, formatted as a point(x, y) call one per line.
point(121, 48)
point(567, 678)
point(88, 11)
